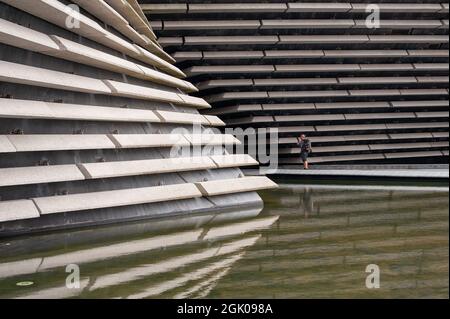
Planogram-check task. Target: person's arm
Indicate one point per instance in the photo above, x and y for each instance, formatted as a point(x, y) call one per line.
point(309, 146)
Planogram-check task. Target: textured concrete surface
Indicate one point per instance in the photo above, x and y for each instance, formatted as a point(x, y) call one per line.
point(316, 68)
point(105, 95)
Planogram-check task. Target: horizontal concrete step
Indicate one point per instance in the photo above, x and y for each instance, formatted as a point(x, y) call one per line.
point(18, 210)
point(17, 176)
point(304, 54)
point(28, 75)
point(39, 174)
point(41, 143)
point(27, 109)
point(289, 7)
point(245, 184)
point(117, 198)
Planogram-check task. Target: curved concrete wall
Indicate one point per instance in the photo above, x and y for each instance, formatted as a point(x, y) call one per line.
point(91, 109)
point(363, 95)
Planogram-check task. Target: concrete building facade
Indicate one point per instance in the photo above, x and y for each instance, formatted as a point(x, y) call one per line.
point(366, 90)
point(98, 126)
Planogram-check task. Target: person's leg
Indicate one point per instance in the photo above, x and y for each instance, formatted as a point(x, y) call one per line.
point(304, 157)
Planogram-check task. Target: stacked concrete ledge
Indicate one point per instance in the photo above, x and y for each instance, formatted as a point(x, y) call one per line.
point(363, 95)
point(98, 126)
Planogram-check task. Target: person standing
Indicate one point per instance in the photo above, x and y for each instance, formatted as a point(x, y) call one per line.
point(305, 149)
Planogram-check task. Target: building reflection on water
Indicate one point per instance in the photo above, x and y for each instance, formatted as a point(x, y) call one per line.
point(309, 242)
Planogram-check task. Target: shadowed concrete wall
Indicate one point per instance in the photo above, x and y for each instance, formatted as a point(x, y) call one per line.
point(364, 96)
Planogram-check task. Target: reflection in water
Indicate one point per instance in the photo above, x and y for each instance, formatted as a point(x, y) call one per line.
point(309, 242)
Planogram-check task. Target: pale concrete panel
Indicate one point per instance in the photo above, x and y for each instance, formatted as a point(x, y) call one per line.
point(387, 67)
point(410, 135)
point(424, 92)
point(166, 41)
point(378, 80)
point(230, 186)
point(185, 56)
point(344, 148)
point(146, 167)
point(149, 140)
point(319, 7)
point(392, 115)
point(209, 24)
point(40, 174)
point(400, 7)
point(237, 7)
point(403, 24)
point(193, 101)
point(352, 105)
point(118, 198)
point(374, 92)
point(237, 95)
point(214, 120)
point(229, 40)
point(5, 145)
point(288, 106)
point(234, 109)
point(360, 127)
point(212, 139)
point(140, 92)
point(432, 79)
point(299, 81)
point(303, 94)
point(342, 158)
point(280, 54)
point(413, 154)
point(432, 114)
point(17, 210)
point(435, 103)
point(233, 55)
point(10, 108)
point(317, 68)
point(408, 39)
point(365, 53)
point(429, 53)
point(182, 118)
point(224, 83)
point(164, 8)
point(307, 24)
point(306, 118)
point(251, 120)
point(100, 113)
point(417, 125)
point(344, 138)
point(25, 38)
point(36, 143)
point(23, 74)
point(399, 146)
point(236, 160)
point(300, 39)
point(440, 134)
point(431, 66)
point(247, 69)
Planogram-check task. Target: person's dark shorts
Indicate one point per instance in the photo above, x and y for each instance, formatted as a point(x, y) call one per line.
point(304, 156)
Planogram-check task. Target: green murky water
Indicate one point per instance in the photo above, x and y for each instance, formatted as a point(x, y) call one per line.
point(309, 242)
